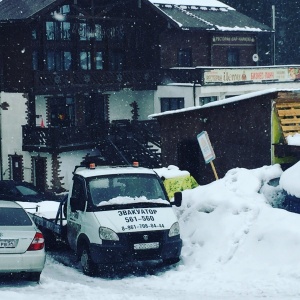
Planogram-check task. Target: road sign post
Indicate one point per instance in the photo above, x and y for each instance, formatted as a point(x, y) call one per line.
point(207, 150)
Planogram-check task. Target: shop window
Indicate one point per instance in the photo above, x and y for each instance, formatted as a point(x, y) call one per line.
point(233, 57)
point(205, 100)
point(171, 103)
point(184, 58)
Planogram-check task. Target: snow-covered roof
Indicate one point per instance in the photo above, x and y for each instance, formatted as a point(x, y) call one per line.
point(206, 15)
point(206, 3)
point(21, 9)
point(190, 14)
point(218, 103)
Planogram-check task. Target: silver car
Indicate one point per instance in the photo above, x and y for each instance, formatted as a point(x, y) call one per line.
point(22, 245)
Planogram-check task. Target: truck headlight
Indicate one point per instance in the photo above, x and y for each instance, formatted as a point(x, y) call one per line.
point(174, 230)
point(108, 234)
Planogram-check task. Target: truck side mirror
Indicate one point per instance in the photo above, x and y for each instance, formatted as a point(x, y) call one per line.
point(177, 199)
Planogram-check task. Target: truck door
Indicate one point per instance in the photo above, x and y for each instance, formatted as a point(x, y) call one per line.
point(76, 211)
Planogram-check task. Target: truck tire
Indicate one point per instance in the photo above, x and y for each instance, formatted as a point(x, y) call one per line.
point(88, 266)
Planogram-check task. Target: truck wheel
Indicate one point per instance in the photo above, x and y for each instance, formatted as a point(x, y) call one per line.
point(88, 266)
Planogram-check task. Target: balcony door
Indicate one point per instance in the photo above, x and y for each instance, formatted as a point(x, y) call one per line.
point(62, 111)
point(78, 110)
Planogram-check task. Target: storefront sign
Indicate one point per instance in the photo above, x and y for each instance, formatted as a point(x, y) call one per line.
point(251, 75)
point(238, 39)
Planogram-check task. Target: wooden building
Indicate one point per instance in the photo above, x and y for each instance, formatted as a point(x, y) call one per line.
point(247, 131)
point(70, 68)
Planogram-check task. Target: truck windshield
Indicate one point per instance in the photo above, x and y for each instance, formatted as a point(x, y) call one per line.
point(134, 186)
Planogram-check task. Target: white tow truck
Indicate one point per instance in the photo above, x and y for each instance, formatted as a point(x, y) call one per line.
point(115, 215)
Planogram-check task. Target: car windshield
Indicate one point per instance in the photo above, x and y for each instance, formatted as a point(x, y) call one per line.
point(105, 188)
point(26, 191)
point(10, 216)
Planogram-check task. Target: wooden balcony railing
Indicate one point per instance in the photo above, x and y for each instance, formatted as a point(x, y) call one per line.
point(146, 79)
point(62, 138)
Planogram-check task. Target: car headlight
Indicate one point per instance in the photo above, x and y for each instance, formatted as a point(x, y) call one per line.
point(108, 234)
point(174, 230)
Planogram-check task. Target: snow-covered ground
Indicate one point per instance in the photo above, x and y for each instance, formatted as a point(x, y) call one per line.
point(237, 245)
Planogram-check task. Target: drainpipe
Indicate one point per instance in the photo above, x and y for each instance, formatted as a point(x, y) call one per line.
point(1, 164)
point(194, 93)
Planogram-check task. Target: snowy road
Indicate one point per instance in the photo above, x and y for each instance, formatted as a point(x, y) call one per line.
point(60, 281)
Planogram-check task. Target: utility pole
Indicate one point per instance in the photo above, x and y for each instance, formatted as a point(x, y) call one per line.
point(274, 34)
point(3, 106)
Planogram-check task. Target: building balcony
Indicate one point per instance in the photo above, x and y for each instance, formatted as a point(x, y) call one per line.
point(104, 80)
point(59, 139)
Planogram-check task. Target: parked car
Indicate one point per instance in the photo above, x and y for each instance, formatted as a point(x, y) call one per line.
point(22, 246)
point(23, 191)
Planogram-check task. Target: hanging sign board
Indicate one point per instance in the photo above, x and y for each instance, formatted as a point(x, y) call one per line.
point(205, 146)
point(207, 150)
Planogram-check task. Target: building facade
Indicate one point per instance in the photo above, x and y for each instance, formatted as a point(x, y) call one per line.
point(70, 69)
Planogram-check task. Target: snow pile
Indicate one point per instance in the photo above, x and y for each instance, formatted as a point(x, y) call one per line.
point(236, 245)
point(171, 172)
point(293, 140)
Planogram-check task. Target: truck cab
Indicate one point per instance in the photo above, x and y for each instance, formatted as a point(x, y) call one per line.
point(120, 215)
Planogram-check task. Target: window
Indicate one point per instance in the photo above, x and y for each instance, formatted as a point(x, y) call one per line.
point(99, 60)
point(35, 60)
point(171, 103)
point(84, 31)
point(58, 60)
point(10, 216)
point(106, 188)
point(116, 61)
point(184, 58)
point(62, 111)
point(65, 9)
point(85, 60)
point(233, 57)
point(34, 34)
point(56, 31)
point(205, 100)
point(98, 32)
point(78, 192)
